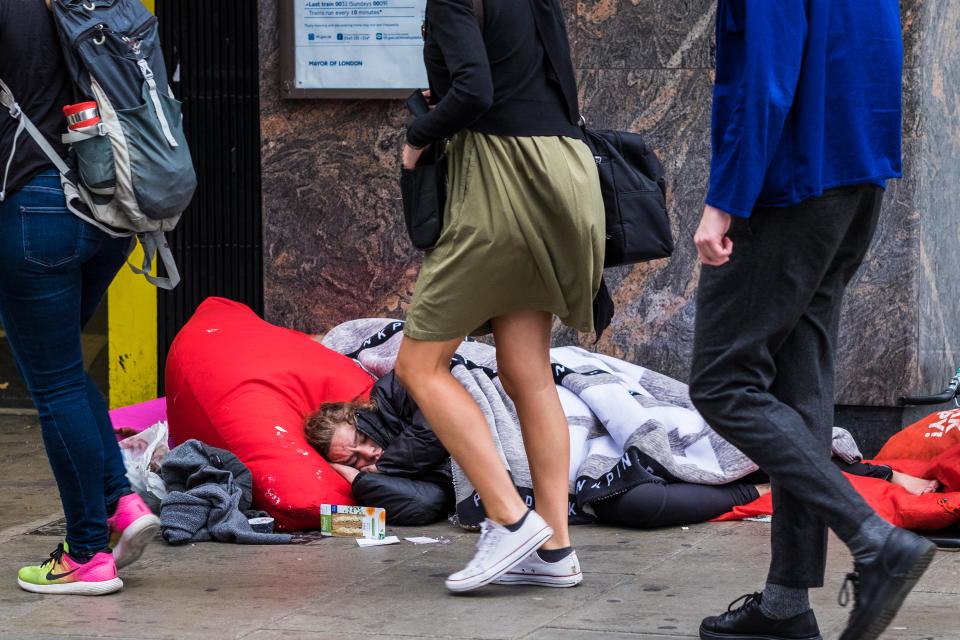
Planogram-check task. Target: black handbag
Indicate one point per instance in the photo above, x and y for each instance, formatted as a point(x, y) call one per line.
point(424, 191)
point(634, 197)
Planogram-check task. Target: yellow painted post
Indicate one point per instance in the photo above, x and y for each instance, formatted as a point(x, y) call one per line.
point(132, 332)
point(132, 337)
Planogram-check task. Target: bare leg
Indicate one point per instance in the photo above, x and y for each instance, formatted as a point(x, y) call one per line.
point(916, 486)
point(424, 370)
point(523, 364)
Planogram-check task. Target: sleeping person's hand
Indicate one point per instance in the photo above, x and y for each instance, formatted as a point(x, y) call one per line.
point(371, 468)
point(349, 473)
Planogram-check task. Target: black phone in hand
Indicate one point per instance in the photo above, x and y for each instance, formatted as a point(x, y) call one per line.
point(417, 104)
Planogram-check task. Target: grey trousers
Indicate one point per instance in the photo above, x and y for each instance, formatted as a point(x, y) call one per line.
point(763, 363)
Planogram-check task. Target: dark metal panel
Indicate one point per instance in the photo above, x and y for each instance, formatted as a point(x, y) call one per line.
point(218, 244)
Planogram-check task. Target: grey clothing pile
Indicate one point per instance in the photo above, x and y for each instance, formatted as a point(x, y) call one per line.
point(208, 491)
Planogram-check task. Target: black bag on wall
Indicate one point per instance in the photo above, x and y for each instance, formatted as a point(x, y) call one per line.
point(634, 197)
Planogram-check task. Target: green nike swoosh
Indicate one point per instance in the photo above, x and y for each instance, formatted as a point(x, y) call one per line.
point(52, 577)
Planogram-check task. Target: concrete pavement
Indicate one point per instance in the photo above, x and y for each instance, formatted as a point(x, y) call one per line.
point(640, 585)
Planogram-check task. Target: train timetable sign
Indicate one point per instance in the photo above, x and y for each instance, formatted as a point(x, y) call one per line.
point(352, 48)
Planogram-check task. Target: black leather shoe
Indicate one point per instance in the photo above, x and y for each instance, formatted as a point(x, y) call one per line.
point(747, 622)
point(880, 587)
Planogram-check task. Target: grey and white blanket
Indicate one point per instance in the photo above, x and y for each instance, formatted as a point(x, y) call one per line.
point(628, 424)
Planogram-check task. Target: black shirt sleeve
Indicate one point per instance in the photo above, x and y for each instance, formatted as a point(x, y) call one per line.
point(408, 502)
point(453, 25)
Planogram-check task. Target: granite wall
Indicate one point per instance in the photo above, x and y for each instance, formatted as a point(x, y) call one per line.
point(335, 247)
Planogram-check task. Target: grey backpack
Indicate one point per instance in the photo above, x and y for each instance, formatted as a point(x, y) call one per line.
point(132, 174)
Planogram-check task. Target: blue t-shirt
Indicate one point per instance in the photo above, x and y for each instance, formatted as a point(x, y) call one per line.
point(807, 98)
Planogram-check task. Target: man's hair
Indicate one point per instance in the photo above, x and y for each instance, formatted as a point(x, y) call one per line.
point(320, 426)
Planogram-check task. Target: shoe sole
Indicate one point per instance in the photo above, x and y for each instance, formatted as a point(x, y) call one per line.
point(540, 581)
point(74, 588)
point(475, 582)
point(135, 539)
point(710, 635)
point(918, 563)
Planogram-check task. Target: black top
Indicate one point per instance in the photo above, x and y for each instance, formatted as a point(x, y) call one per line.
point(502, 81)
point(32, 66)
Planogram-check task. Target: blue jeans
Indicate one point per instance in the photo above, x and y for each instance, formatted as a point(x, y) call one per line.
point(54, 270)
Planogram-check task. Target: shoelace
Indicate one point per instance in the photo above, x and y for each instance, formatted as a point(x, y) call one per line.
point(55, 557)
point(851, 581)
point(747, 599)
point(488, 540)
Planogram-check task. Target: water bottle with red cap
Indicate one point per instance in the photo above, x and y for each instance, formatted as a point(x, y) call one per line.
point(92, 147)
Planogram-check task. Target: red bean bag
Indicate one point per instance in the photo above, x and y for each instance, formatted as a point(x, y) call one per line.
point(239, 383)
point(924, 439)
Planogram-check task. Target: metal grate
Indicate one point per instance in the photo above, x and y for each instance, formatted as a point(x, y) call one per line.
point(211, 49)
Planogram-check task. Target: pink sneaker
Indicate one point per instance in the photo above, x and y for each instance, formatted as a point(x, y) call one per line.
point(62, 575)
point(132, 527)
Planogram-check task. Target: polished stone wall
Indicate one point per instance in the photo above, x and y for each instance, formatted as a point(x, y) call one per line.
point(335, 247)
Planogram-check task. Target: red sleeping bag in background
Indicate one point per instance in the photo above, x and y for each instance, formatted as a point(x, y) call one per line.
point(930, 449)
point(237, 382)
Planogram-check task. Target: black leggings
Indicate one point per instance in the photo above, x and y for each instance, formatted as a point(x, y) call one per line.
point(662, 505)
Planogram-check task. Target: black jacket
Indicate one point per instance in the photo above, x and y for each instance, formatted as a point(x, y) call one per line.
point(502, 79)
point(414, 483)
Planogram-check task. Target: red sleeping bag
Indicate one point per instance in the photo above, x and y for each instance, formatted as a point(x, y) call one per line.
point(927, 449)
point(237, 382)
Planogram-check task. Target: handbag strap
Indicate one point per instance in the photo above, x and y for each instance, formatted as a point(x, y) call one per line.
point(548, 16)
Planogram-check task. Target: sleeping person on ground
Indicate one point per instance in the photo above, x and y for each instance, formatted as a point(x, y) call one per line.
point(386, 449)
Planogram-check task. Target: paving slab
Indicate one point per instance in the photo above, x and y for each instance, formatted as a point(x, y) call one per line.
point(555, 633)
point(27, 488)
point(409, 599)
point(943, 576)
point(334, 633)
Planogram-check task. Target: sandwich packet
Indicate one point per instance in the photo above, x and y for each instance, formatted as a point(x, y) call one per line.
point(353, 522)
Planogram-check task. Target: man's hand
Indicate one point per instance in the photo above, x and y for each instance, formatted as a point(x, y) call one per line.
point(370, 468)
point(349, 473)
point(411, 156)
point(713, 245)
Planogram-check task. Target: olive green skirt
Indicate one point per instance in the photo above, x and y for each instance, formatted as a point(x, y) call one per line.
point(523, 230)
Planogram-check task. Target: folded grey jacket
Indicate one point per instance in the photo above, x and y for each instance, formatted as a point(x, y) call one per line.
point(204, 498)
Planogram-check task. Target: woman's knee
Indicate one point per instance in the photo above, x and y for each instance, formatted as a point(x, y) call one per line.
point(520, 378)
point(420, 362)
point(406, 371)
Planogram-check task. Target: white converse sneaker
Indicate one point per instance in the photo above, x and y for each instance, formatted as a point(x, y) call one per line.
point(536, 571)
point(498, 550)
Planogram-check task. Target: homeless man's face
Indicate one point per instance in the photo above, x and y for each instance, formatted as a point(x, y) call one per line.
point(351, 448)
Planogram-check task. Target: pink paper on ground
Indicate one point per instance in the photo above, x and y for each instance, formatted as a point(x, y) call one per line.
point(139, 416)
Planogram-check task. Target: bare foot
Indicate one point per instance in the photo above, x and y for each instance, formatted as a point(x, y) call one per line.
point(762, 489)
point(916, 486)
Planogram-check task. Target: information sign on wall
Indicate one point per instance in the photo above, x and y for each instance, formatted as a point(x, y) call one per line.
point(352, 48)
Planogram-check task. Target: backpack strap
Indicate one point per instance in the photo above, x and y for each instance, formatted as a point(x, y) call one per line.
point(24, 124)
point(155, 245)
